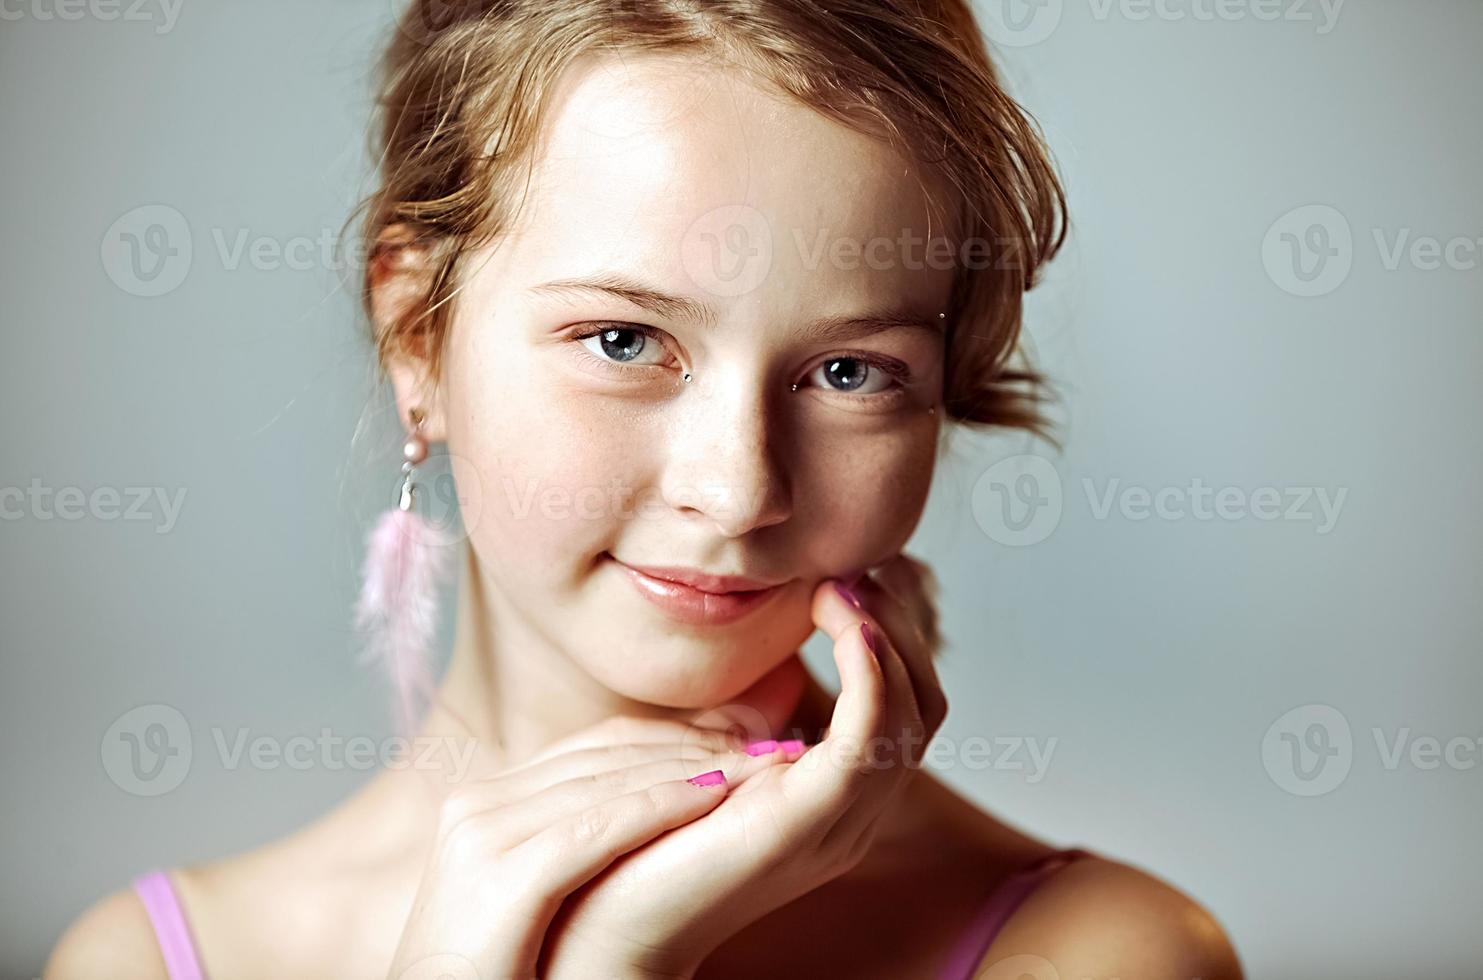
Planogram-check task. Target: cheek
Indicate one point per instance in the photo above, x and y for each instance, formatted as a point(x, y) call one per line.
point(864, 501)
point(542, 469)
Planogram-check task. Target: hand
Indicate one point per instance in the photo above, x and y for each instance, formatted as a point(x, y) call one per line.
point(510, 848)
point(787, 828)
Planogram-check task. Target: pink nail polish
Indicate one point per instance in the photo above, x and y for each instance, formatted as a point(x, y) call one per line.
point(793, 746)
point(713, 778)
point(869, 635)
point(761, 747)
point(848, 595)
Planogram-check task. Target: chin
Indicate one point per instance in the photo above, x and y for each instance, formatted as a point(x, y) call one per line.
point(679, 672)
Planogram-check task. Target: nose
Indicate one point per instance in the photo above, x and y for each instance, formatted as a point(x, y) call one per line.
point(724, 462)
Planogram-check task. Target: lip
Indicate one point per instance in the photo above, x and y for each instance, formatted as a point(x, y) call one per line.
point(704, 600)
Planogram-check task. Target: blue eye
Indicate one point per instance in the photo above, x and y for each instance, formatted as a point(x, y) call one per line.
point(623, 344)
point(858, 375)
point(622, 348)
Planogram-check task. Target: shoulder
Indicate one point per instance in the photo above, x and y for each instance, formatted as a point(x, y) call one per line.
point(111, 938)
point(1098, 917)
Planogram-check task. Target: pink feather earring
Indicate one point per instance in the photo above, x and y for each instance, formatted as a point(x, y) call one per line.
point(397, 612)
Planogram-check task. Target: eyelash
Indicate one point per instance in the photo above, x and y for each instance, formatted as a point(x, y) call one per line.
point(616, 366)
point(896, 371)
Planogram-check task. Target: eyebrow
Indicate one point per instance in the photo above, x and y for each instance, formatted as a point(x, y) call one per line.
point(673, 307)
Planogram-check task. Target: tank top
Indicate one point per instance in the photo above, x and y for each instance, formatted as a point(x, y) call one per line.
point(178, 949)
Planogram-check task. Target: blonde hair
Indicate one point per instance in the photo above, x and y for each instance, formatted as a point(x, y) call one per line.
point(463, 90)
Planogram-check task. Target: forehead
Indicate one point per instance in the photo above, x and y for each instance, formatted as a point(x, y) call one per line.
point(649, 164)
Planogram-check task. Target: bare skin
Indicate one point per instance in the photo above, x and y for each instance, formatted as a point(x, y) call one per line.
point(551, 638)
point(330, 899)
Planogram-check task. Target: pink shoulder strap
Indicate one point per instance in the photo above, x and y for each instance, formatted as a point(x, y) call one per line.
point(996, 911)
point(170, 928)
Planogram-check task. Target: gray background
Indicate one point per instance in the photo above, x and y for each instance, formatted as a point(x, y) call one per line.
point(1160, 654)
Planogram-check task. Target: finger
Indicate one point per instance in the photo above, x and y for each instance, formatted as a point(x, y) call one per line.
point(860, 709)
point(926, 686)
point(888, 615)
point(872, 684)
point(530, 778)
point(905, 579)
point(523, 819)
point(527, 885)
point(564, 856)
point(899, 622)
point(631, 730)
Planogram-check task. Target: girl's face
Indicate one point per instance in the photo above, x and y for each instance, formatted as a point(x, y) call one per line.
point(724, 231)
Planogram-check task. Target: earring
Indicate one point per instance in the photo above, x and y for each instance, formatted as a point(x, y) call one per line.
point(687, 375)
point(405, 563)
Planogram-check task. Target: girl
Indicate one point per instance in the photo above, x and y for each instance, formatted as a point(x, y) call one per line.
point(688, 288)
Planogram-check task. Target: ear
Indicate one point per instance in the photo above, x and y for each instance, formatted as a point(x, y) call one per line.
point(401, 269)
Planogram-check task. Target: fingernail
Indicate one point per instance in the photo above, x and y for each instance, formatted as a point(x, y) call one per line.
point(761, 746)
point(848, 595)
point(869, 635)
point(792, 745)
point(713, 778)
